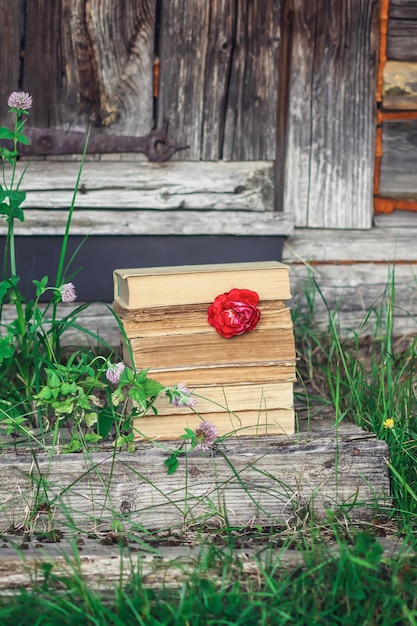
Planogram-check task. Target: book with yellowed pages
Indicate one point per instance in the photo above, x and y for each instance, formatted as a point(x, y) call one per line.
point(250, 409)
point(194, 284)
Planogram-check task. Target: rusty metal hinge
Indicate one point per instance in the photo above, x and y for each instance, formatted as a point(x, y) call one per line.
point(157, 145)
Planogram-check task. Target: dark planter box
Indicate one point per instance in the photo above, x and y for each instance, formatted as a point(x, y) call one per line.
point(98, 256)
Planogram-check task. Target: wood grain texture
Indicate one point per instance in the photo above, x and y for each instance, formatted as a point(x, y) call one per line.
point(357, 294)
point(9, 54)
point(402, 30)
point(400, 85)
point(132, 198)
point(264, 481)
point(331, 129)
point(403, 9)
point(218, 66)
point(145, 222)
point(96, 61)
point(218, 76)
point(103, 566)
point(183, 50)
point(398, 162)
point(251, 111)
point(387, 243)
point(123, 185)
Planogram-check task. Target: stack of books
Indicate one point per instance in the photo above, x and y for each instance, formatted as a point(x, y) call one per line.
point(242, 383)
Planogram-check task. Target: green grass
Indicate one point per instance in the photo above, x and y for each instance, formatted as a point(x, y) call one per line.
point(368, 380)
point(356, 586)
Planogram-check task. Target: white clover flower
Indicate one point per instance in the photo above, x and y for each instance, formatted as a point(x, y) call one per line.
point(20, 100)
point(114, 372)
point(67, 292)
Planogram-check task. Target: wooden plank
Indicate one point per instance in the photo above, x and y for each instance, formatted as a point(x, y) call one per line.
point(96, 60)
point(218, 76)
point(144, 222)
point(9, 54)
point(400, 85)
point(43, 33)
point(403, 9)
point(183, 49)
point(251, 111)
point(401, 38)
point(264, 481)
point(389, 243)
point(355, 293)
point(399, 162)
point(210, 186)
point(331, 128)
point(219, 57)
point(104, 565)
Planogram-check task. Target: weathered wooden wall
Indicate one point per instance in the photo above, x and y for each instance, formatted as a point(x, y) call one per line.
point(90, 62)
point(290, 81)
point(219, 76)
point(396, 181)
point(402, 30)
point(331, 126)
point(360, 276)
point(217, 81)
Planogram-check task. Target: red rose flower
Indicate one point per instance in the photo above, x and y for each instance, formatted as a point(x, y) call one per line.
point(235, 312)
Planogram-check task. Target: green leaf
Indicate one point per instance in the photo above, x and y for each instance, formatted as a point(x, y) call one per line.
point(105, 421)
point(44, 395)
point(171, 463)
point(127, 377)
point(6, 133)
point(92, 437)
point(40, 285)
point(74, 445)
point(4, 208)
point(152, 387)
point(23, 139)
point(189, 434)
point(138, 395)
point(91, 419)
point(54, 381)
point(6, 347)
point(66, 407)
point(8, 155)
point(16, 197)
point(17, 213)
point(68, 388)
point(140, 377)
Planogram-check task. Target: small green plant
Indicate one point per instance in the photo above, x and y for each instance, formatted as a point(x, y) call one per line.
point(90, 396)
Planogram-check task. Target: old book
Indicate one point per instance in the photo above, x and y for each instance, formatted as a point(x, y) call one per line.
point(189, 319)
point(210, 348)
point(253, 423)
point(226, 374)
point(232, 399)
point(196, 284)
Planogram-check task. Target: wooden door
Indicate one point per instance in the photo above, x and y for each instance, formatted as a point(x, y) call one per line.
point(288, 84)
